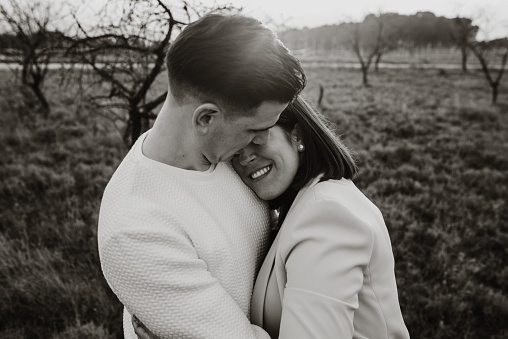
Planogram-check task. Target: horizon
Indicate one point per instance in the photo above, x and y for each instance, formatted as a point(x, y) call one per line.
point(488, 15)
point(491, 16)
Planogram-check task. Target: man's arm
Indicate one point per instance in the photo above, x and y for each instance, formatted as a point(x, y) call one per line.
point(157, 274)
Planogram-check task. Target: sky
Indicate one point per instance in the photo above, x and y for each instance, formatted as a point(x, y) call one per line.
point(490, 15)
point(313, 13)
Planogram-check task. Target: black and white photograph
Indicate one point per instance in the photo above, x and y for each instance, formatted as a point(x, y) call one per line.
point(253, 169)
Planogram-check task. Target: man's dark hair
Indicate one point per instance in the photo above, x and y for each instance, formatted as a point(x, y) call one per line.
point(233, 61)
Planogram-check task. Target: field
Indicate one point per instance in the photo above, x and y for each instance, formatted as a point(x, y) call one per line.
point(432, 152)
point(432, 57)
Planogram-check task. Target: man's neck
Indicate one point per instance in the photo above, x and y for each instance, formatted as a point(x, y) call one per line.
point(171, 141)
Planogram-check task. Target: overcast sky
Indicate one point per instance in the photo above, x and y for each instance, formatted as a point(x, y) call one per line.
point(490, 15)
point(312, 13)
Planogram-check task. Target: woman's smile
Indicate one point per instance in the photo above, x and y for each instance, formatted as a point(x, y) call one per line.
point(261, 173)
point(268, 169)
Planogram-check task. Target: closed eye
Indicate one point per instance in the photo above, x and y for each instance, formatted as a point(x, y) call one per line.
point(262, 129)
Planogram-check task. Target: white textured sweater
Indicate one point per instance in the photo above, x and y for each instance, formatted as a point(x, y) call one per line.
point(181, 249)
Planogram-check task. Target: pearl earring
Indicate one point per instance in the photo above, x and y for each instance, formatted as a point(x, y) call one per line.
point(300, 148)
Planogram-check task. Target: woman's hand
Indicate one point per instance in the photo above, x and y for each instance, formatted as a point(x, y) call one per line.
point(141, 331)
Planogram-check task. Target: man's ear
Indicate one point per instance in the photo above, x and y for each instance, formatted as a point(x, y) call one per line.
point(204, 116)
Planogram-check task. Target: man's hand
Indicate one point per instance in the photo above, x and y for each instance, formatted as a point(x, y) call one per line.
point(141, 331)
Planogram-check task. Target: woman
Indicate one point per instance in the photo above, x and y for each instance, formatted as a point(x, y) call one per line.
point(330, 270)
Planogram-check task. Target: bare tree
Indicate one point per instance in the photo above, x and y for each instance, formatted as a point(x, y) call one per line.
point(491, 54)
point(464, 33)
point(362, 40)
point(37, 42)
point(488, 52)
point(126, 51)
point(387, 37)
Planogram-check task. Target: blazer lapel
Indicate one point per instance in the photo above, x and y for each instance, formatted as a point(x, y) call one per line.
point(259, 293)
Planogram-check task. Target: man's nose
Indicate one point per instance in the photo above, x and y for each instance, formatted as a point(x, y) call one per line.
point(261, 138)
point(246, 156)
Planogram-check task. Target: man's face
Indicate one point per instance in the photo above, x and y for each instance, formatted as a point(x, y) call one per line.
point(231, 135)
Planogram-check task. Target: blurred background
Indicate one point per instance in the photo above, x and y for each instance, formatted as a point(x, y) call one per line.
point(415, 89)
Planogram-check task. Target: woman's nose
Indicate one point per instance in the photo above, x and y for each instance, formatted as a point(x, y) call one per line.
point(246, 156)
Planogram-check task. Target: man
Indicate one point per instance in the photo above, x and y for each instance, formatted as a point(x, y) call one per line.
point(180, 237)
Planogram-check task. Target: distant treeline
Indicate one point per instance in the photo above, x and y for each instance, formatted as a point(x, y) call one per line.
point(10, 42)
point(423, 29)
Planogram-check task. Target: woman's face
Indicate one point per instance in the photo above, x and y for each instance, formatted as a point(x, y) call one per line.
point(269, 169)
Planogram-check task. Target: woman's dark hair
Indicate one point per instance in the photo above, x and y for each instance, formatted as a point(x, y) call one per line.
point(324, 153)
point(235, 61)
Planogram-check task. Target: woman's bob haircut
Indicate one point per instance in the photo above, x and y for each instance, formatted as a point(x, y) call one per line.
point(325, 155)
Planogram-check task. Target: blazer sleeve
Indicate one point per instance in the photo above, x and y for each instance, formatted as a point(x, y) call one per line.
point(326, 250)
point(160, 278)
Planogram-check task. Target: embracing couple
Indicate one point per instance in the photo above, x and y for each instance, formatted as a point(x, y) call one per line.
point(235, 215)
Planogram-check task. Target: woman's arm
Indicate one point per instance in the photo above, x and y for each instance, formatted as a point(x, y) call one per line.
point(326, 249)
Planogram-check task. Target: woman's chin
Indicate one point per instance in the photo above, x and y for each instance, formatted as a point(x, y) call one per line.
point(268, 189)
point(264, 195)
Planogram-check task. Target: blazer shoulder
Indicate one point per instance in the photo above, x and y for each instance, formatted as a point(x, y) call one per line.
point(345, 192)
point(338, 190)
point(326, 205)
point(319, 223)
point(329, 207)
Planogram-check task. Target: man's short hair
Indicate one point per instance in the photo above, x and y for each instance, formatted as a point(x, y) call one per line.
point(233, 61)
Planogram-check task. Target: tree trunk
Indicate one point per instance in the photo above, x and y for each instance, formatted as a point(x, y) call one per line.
point(364, 78)
point(42, 99)
point(464, 59)
point(138, 124)
point(321, 92)
point(33, 77)
point(136, 127)
point(376, 63)
point(495, 88)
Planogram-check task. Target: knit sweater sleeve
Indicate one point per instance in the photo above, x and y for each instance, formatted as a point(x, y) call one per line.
point(157, 274)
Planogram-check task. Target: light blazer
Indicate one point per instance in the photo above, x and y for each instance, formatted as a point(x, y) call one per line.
point(330, 270)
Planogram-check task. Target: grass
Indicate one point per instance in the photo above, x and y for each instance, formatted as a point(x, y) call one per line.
point(53, 175)
point(433, 155)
